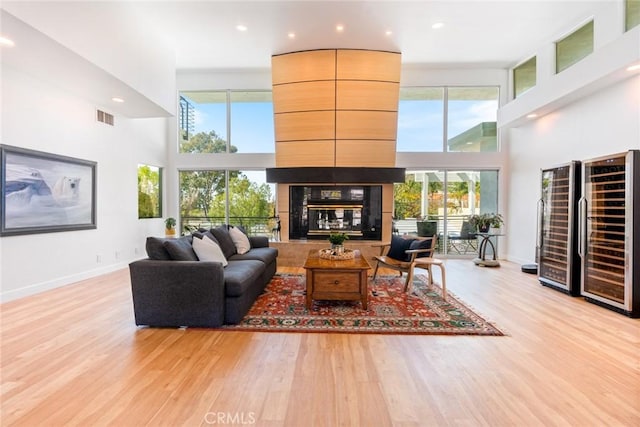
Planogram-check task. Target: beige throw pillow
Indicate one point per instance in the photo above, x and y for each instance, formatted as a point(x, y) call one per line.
point(208, 250)
point(240, 240)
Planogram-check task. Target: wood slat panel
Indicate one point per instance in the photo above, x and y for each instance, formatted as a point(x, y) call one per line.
point(366, 125)
point(387, 198)
point(311, 125)
point(303, 66)
point(304, 96)
point(366, 153)
point(387, 225)
point(367, 95)
point(368, 65)
point(305, 153)
point(283, 197)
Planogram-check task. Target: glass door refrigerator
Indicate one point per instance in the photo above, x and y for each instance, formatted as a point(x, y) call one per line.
point(610, 232)
point(557, 237)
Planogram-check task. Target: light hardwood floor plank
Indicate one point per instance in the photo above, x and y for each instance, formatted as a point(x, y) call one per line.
point(73, 356)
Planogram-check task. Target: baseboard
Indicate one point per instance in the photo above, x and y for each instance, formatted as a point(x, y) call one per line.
point(37, 288)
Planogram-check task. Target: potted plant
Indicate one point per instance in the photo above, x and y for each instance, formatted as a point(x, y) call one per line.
point(482, 222)
point(170, 226)
point(337, 241)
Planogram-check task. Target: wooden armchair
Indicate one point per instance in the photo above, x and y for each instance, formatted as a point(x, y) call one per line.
point(390, 252)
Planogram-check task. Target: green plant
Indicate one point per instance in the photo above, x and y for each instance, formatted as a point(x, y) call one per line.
point(486, 220)
point(169, 223)
point(336, 238)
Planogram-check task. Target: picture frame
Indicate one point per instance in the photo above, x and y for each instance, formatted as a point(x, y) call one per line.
point(45, 193)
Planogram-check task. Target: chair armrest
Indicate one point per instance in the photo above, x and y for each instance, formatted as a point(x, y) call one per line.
point(382, 246)
point(414, 253)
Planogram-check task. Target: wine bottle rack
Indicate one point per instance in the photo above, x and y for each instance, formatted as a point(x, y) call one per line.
point(557, 251)
point(608, 222)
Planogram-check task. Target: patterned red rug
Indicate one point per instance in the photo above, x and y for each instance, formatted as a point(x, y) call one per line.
point(281, 308)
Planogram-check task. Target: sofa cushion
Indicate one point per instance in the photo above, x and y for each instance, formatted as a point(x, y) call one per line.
point(156, 250)
point(224, 240)
point(266, 255)
point(180, 249)
point(208, 250)
point(240, 240)
point(240, 275)
point(398, 247)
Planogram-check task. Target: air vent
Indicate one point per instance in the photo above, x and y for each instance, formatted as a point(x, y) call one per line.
point(105, 117)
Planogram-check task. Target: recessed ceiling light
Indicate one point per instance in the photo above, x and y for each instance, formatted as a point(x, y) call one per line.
point(6, 42)
point(117, 99)
point(291, 35)
point(388, 32)
point(241, 27)
point(532, 116)
point(634, 68)
point(437, 25)
point(339, 28)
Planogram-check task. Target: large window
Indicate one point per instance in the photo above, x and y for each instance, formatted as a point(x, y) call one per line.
point(524, 77)
point(239, 121)
point(632, 14)
point(574, 47)
point(420, 119)
point(210, 198)
point(472, 116)
point(440, 202)
point(447, 119)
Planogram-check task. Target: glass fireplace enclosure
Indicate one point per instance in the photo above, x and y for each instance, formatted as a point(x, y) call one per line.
point(317, 211)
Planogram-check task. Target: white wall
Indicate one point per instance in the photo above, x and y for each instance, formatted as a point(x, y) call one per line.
point(142, 60)
point(606, 122)
point(41, 116)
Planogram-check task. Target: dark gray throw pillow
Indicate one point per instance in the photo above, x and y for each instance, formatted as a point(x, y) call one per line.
point(156, 250)
point(224, 240)
point(421, 244)
point(180, 250)
point(398, 247)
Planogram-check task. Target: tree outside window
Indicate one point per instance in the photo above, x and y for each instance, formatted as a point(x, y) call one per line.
point(149, 191)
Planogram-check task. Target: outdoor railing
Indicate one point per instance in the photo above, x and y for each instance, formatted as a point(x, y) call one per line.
point(254, 226)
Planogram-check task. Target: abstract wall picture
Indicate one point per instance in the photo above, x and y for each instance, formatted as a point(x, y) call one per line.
point(43, 192)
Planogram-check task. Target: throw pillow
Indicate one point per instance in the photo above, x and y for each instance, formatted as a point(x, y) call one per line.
point(421, 244)
point(156, 250)
point(208, 250)
point(201, 233)
point(224, 240)
point(180, 250)
point(240, 240)
point(398, 247)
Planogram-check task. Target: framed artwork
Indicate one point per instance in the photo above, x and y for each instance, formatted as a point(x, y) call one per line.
point(45, 193)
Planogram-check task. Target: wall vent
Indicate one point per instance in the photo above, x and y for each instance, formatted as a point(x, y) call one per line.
point(105, 117)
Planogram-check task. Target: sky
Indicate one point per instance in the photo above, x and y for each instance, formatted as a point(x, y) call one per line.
point(420, 123)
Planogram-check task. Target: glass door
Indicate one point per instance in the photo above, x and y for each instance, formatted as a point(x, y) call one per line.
point(556, 227)
point(604, 224)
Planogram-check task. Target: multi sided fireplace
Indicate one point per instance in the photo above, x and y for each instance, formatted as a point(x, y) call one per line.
point(317, 211)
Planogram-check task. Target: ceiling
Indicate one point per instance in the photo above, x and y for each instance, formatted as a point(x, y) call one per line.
point(203, 34)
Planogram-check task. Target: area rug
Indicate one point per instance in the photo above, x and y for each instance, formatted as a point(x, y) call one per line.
point(281, 308)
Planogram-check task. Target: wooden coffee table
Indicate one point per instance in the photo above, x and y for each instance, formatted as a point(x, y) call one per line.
point(336, 280)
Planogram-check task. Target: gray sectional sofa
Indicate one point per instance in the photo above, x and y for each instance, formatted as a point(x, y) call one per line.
point(172, 288)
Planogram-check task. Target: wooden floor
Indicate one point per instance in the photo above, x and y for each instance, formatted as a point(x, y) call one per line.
point(73, 356)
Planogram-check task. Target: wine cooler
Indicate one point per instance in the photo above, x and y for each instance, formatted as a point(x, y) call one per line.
point(609, 237)
point(557, 237)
